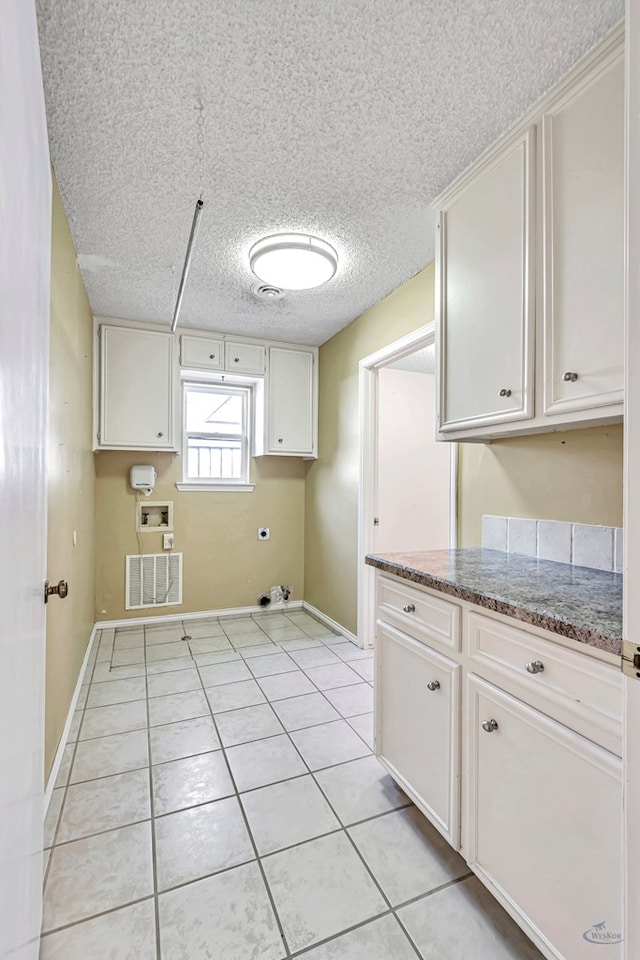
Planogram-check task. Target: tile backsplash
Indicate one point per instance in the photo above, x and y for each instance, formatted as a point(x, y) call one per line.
point(584, 544)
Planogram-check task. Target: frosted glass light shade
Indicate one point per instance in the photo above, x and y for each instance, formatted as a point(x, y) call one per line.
point(293, 261)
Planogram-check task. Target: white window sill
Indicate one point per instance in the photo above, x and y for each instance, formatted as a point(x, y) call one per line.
point(215, 487)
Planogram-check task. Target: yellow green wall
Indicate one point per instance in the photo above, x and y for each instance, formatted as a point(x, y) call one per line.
point(71, 479)
point(574, 475)
point(224, 563)
point(331, 540)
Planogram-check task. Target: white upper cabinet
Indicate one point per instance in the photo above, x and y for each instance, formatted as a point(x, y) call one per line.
point(530, 267)
point(583, 140)
point(137, 389)
point(486, 295)
point(246, 358)
point(202, 353)
point(291, 407)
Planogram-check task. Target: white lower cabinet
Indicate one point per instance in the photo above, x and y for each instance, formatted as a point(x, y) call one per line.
point(418, 725)
point(508, 766)
point(545, 822)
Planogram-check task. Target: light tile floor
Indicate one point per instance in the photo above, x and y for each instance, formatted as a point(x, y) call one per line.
point(219, 800)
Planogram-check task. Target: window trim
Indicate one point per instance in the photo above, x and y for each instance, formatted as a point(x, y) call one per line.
point(224, 484)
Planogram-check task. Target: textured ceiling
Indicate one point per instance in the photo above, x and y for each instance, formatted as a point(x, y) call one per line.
point(343, 118)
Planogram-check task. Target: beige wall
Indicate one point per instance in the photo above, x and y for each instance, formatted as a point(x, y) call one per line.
point(71, 480)
point(331, 545)
point(413, 468)
point(224, 564)
point(574, 476)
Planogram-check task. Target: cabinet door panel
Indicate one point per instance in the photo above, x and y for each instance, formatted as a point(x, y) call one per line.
point(290, 401)
point(244, 358)
point(136, 388)
point(201, 353)
point(417, 728)
point(486, 295)
point(584, 245)
point(545, 822)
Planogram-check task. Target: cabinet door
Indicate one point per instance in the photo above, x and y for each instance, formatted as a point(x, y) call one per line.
point(485, 300)
point(137, 389)
point(583, 143)
point(244, 358)
point(417, 725)
point(201, 353)
point(291, 401)
point(545, 823)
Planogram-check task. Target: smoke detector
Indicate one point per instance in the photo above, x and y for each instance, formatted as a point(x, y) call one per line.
point(266, 291)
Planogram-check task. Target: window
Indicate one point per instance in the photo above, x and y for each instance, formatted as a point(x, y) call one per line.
point(216, 435)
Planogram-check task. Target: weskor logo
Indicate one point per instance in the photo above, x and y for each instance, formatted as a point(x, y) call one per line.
point(599, 934)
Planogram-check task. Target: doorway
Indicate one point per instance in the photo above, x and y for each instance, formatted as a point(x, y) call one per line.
point(408, 481)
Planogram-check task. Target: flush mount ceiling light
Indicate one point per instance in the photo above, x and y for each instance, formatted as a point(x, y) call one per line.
point(293, 261)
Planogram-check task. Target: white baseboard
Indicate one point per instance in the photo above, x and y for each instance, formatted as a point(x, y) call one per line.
point(57, 760)
point(201, 614)
point(330, 622)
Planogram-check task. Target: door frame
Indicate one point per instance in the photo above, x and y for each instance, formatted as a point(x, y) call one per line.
point(368, 469)
point(631, 562)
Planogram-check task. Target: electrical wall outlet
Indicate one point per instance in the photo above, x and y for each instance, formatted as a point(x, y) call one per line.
point(167, 541)
point(263, 533)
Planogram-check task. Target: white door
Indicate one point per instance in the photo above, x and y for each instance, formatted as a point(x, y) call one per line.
point(25, 245)
point(291, 412)
point(632, 485)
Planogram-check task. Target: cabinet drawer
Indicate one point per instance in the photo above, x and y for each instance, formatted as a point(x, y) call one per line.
point(578, 691)
point(244, 357)
point(202, 353)
point(419, 614)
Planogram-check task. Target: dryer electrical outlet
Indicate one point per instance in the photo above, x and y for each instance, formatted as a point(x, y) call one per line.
point(263, 533)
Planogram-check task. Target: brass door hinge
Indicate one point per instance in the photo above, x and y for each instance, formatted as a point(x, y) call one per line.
point(630, 659)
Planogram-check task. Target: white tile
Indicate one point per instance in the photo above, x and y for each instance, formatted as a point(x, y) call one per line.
point(185, 783)
point(167, 651)
point(306, 711)
point(129, 639)
point(225, 917)
point(53, 815)
point(249, 640)
point(108, 755)
point(382, 939)
point(104, 671)
point(406, 855)
point(164, 633)
point(363, 726)
point(464, 921)
point(116, 718)
point(187, 738)
point(331, 676)
point(315, 657)
point(523, 536)
point(320, 888)
point(90, 876)
point(267, 649)
point(233, 696)
point(364, 668)
point(194, 843)
point(267, 666)
point(304, 643)
point(230, 672)
point(554, 541)
point(286, 685)
point(104, 804)
point(210, 645)
point(494, 533)
point(593, 546)
point(65, 765)
point(121, 935)
point(249, 723)
point(167, 666)
point(178, 681)
point(618, 540)
point(116, 691)
point(278, 634)
point(328, 744)
point(360, 789)
point(82, 696)
point(239, 626)
point(74, 728)
point(177, 706)
point(197, 629)
point(288, 813)
point(220, 656)
point(262, 762)
point(352, 700)
point(124, 658)
point(349, 652)
point(105, 646)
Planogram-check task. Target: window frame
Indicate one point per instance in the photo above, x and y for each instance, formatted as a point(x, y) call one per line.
point(223, 484)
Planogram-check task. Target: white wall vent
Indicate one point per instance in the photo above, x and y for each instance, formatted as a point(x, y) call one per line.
point(153, 580)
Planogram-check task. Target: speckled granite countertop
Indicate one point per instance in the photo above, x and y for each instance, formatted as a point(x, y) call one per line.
point(576, 602)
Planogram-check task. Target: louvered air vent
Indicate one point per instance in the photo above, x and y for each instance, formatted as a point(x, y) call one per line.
point(153, 580)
